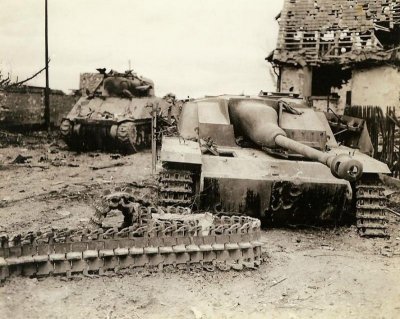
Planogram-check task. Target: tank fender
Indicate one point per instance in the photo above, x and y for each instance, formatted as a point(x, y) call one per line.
point(179, 150)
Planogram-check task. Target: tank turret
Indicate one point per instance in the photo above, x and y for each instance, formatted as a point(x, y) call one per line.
point(128, 85)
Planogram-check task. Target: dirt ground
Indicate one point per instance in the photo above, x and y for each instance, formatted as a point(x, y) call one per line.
point(307, 273)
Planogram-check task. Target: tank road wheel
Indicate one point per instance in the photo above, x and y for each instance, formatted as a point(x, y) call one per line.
point(127, 136)
point(371, 207)
point(66, 128)
point(66, 131)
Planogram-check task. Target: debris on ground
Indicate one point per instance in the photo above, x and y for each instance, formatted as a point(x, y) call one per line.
point(97, 167)
point(63, 196)
point(21, 159)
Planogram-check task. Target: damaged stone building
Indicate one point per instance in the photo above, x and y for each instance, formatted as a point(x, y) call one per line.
point(335, 53)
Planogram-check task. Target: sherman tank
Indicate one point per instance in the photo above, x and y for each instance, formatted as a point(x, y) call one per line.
point(113, 114)
point(273, 157)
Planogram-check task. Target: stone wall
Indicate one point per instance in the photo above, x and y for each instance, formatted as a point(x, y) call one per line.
point(27, 108)
point(292, 80)
point(378, 86)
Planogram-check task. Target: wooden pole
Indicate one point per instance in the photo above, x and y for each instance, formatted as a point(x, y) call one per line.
point(154, 140)
point(47, 90)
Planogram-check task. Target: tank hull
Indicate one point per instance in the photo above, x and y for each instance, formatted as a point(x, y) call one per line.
point(278, 202)
point(280, 192)
point(110, 124)
point(275, 159)
point(252, 182)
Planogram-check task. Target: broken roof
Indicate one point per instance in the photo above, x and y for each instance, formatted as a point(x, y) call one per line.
point(314, 32)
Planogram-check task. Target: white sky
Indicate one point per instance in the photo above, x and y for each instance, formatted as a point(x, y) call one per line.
point(189, 47)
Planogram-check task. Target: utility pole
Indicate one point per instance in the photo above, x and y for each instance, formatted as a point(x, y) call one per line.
point(47, 90)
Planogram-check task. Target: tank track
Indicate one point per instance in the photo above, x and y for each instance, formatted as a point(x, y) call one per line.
point(229, 242)
point(127, 137)
point(371, 208)
point(176, 188)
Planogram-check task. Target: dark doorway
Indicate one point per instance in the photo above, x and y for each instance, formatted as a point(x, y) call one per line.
point(326, 77)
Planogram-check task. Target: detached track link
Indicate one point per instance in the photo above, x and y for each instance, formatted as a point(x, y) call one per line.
point(175, 188)
point(231, 243)
point(371, 209)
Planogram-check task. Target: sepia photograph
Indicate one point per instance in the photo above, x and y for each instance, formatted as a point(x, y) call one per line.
point(199, 159)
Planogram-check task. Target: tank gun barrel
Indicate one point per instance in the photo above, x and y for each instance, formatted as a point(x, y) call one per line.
point(342, 166)
point(299, 148)
point(259, 122)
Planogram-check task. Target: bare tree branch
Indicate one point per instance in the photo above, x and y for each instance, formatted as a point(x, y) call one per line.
point(5, 83)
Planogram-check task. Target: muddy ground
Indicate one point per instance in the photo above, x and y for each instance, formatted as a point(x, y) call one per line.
point(308, 272)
